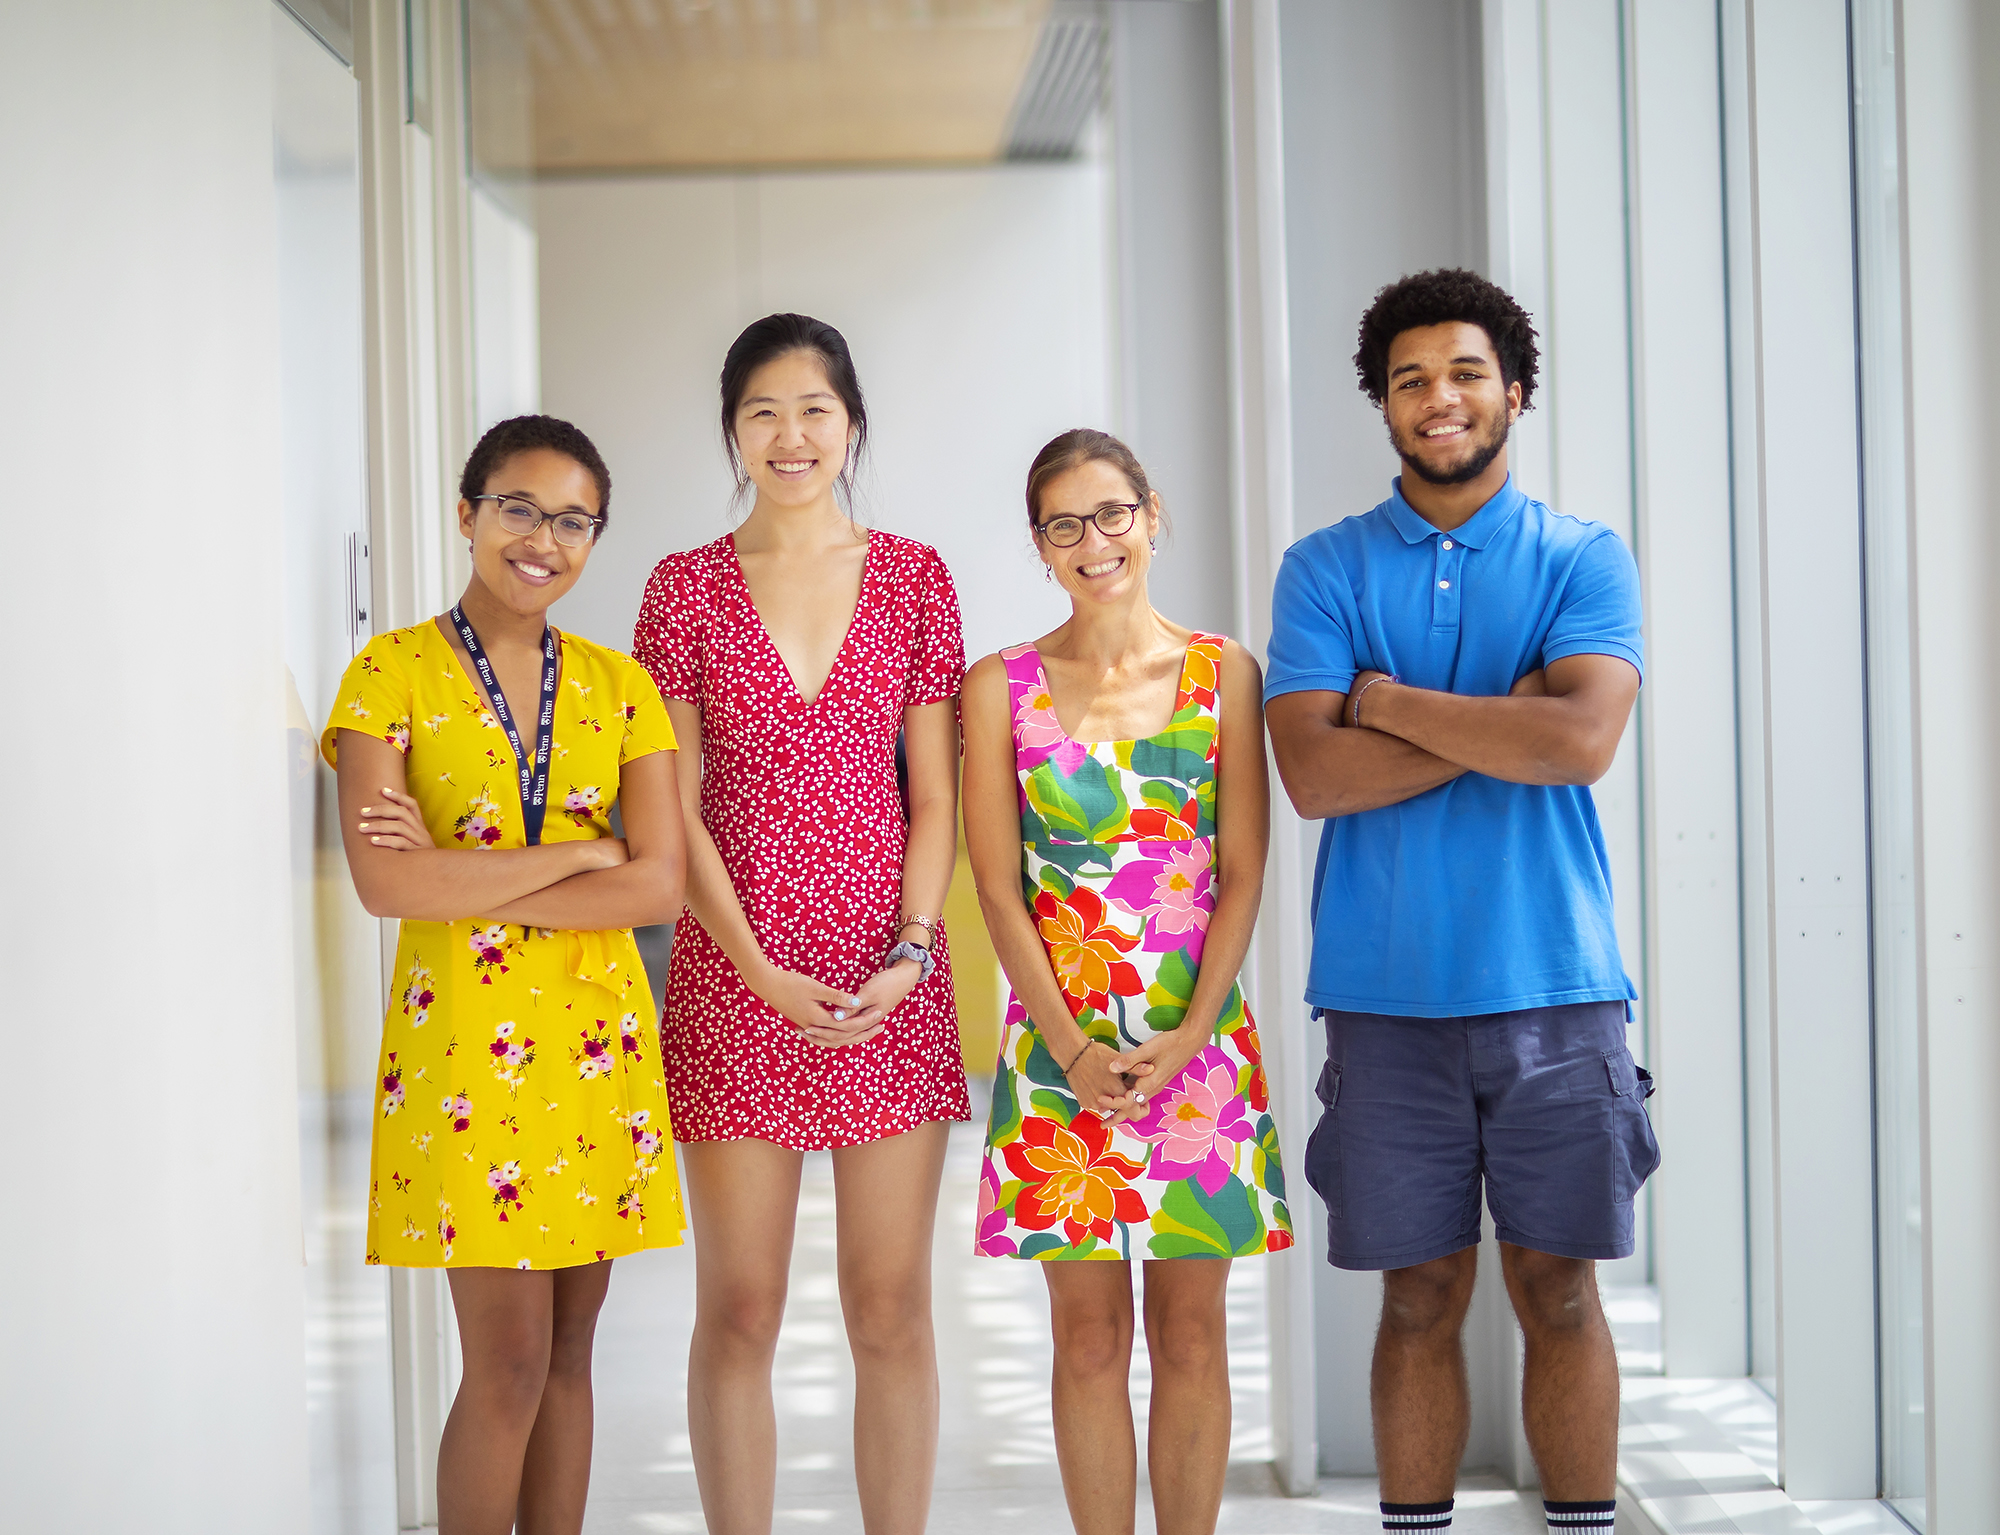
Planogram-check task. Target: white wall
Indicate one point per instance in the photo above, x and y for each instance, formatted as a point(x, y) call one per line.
point(977, 306)
point(1382, 160)
point(1173, 374)
point(150, 1281)
point(506, 329)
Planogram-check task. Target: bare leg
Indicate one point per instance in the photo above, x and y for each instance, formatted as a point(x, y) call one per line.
point(1569, 1387)
point(505, 1319)
point(885, 1198)
point(1187, 1433)
point(1422, 1404)
point(555, 1477)
point(743, 1201)
point(1090, 1314)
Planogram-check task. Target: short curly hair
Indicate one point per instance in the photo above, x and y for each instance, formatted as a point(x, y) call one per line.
point(1439, 298)
point(524, 434)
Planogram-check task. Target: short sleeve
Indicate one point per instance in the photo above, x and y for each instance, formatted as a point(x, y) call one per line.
point(667, 638)
point(937, 660)
point(1598, 613)
point(1311, 650)
point(647, 728)
point(374, 698)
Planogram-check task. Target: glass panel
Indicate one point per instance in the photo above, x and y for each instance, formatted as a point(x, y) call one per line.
point(1892, 811)
point(336, 945)
point(500, 102)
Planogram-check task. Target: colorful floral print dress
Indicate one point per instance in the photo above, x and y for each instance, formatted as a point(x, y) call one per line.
point(802, 802)
point(1117, 864)
point(521, 1113)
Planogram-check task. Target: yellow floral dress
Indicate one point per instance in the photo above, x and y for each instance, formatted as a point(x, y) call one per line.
point(521, 1117)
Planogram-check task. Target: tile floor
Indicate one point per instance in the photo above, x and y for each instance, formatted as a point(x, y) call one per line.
point(997, 1460)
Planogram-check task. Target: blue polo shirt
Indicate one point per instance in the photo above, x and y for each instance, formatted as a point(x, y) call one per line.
point(1477, 896)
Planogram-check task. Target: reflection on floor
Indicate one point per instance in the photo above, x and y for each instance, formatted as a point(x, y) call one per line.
point(997, 1460)
point(349, 1401)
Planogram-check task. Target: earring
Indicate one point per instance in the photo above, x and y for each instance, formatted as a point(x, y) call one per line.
point(1153, 545)
point(1049, 574)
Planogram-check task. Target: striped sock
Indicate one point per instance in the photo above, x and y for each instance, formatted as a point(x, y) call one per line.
point(1582, 1518)
point(1423, 1517)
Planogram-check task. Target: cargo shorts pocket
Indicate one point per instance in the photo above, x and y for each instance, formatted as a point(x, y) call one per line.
point(1635, 1152)
point(1323, 1146)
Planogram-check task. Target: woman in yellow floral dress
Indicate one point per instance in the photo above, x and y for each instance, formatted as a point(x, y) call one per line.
point(521, 1137)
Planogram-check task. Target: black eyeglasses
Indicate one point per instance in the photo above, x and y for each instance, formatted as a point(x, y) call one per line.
point(521, 516)
point(1112, 521)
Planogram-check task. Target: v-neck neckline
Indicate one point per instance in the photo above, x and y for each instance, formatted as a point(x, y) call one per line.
point(1180, 683)
point(847, 635)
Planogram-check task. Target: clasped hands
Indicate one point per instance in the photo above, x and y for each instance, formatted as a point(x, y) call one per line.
point(834, 1019)
point(1111, 1083)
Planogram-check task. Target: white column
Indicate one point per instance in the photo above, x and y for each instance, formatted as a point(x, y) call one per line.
point(1805, 648)
point(1511, 53)
point(1260, 501)
point(1951, 57)
point(420, 412)
point(1694, 970)
point(150, 1339)
point(1351, 154)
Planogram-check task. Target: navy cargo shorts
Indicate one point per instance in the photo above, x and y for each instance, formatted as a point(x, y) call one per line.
point(1544, 1109)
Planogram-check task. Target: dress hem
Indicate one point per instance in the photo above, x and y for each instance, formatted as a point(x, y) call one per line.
point(825, 1145)
point(678, 1239)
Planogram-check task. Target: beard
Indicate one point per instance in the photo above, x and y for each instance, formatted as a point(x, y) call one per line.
point(1478, 458)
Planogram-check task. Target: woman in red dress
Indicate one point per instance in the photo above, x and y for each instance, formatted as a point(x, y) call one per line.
point(809, 999)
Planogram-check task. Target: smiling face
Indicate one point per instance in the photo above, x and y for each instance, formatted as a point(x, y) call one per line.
point(527, 573)
point(1448, 410)
point(792, 431)
point(1099, 569)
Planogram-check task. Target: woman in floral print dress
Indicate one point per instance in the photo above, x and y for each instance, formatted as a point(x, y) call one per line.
point(521, 1136)
point(1119, 870)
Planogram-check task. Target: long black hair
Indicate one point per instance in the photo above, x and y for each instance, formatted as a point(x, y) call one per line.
point(779, 335)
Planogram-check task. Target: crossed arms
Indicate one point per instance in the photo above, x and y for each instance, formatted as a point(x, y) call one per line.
point(1559, 726)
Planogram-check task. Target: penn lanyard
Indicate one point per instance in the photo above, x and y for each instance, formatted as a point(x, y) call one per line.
point(535, 773)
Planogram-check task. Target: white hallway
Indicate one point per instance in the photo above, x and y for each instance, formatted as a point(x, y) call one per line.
point(996, 1462)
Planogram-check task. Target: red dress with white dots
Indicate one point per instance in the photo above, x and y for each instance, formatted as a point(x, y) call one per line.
point(802, 803)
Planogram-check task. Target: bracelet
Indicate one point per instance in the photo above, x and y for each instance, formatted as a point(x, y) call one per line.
point(928, 924)
point(1355, 705)
point(1087, 1043)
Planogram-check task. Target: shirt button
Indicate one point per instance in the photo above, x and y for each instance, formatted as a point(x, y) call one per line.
point(1444, 586)
point(1446, 544)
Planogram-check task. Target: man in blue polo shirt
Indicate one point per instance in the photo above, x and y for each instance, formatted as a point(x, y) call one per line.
point(1448, 674)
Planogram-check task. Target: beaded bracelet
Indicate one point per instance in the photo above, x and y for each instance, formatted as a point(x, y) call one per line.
point(1078, 1056)
point(1391, 677)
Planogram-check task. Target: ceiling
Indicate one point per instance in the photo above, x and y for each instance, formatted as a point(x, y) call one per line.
point(607, 85)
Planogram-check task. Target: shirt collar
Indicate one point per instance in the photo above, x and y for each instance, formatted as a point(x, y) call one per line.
point(1476, 532)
